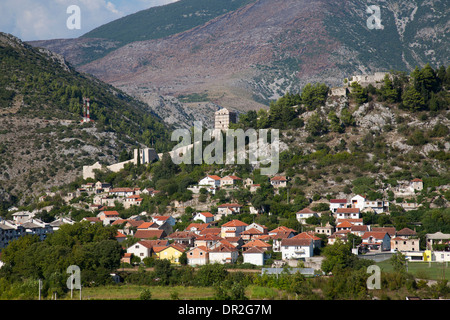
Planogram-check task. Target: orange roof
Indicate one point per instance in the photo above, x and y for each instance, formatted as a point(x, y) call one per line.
point(282, 229)
point(374, 234)
point(207, 214)
point(280, 178)
point(344, 224)
point(147, 225)
point(417, 180)
point(306, 235)
point(110, 213)
point(306, 210)
point(120, 235)
point(214, 177)
point(347, 210)
point(146, 234)
point(256, 243)
point(235, 223)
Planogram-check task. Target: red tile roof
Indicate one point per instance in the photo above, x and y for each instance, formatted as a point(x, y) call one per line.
point(235, 223)
point(347, 210)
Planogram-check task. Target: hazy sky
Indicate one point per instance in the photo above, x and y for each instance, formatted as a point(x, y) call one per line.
point(48, 19)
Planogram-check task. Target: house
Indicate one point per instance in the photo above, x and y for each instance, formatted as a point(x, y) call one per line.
point(121, 192)
point(56, 224)
point(337, 203)
point(206, 217)
point(296, 248)
point(120, 237)
point(228, 208)
point(379, 241)
point(255, 255)
point(134, 200)
point(278, 181)
point(143, 248)
point(345, 225)
point(277, 235)
point(233, 228)
point(256, 243)
point(196, 227)
point(341, 235)
point(417, 184)
point(389, 230)
point(150, 192)
point(185, 238)
point(316, 241)
point(9, 231)
point(347, 213)
point(37, 227)
point(253, 230)
point(198, 256)
point(207, 240)
point(358, 201)
point(108, 217)
point(102, 187)
point(405, 244)
point(436, 238)
point(304, 214)
point(328, 229)
point(229, 181)
point(223, 254)
point(378, 206)
point(172, 252)
point(248, 182)
point(359, 230)
point(210, 181)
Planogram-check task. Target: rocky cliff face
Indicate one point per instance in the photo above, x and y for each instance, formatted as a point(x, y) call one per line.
point(249, 56)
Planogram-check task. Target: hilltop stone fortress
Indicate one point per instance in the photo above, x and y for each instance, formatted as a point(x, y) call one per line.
point(223, 118)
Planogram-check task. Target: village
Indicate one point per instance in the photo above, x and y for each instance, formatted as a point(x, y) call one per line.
point(204, 241)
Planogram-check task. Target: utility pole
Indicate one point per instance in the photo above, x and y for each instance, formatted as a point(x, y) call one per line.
point(40, 285)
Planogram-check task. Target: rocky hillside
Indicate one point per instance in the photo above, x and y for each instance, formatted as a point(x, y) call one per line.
point(42, 140)
point(255, 53)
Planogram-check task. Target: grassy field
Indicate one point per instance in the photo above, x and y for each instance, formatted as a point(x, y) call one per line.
point(421, 270)
point(132, 292)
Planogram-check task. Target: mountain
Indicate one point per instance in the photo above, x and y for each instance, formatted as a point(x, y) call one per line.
point(42, 140)
point(256, 52)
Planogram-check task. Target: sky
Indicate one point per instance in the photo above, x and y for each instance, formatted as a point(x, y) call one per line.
point(56, 19)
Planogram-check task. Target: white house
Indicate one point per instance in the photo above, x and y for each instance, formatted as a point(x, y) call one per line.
point(278, 181)
point(347, 213)
point(223, 254)
point(337, 203)
point(380, 241)
point(141, 249)
point(358, 201)
point(255, 255)
point(228, 208)
point(304, 214)
point(210, 180)
point(296, 248)
point(206, 217)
